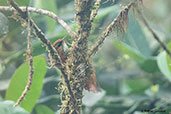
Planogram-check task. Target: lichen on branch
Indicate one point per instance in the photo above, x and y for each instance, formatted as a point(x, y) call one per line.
point(119, 24)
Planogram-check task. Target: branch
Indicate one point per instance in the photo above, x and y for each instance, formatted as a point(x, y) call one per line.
point(77, 61)
point(47, 43)
point(135, 107)
point(150, 103)
point(120, 23)
point(84, 17)
point(156, 37)
point(30, 58)
point(44, 12)
point(94, 12)
point(83, 13)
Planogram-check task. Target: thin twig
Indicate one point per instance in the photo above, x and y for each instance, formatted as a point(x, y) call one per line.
point(156, 37)
point(94, 11)
point(149, 102)
point(44, 12)
point(47, 43)
point(119, 19)
point(135, 107)
point(30, 58)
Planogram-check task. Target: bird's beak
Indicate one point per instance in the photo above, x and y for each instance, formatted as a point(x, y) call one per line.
point(64, 38)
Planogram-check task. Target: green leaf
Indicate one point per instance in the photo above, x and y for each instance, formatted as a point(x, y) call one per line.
point(42, 109)
point(163, 65)
point(105, 11)
point(148, 64)
point(19, 81)
point(137, 85)
point(168, 57)
point(19, 2)
point(169, 62)
point(50, 6)
point(137, 39)
point(6, 107)
point(129, 51)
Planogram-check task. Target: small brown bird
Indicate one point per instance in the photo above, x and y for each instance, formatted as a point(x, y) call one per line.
point(91, 83)
point(59, 46)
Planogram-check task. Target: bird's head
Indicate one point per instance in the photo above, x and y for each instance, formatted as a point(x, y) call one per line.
point(58, 43)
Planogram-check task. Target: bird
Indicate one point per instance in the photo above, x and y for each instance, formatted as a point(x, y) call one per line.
point(90, 83)
point(59, 46)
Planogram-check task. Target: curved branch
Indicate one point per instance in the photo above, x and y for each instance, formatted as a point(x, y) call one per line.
point(30, 58)
point(44, 12)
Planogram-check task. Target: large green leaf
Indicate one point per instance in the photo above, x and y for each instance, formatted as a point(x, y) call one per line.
point(169, 62)
point(42, 109)
point(6, 107)
point(19, 81)
point(148, 64)
point(129, 50)
point(163, 65)
point(135, 37)
point(168, 57)
point(136, 85)
point(50, 6)
point(20, 2)
point(102, 13)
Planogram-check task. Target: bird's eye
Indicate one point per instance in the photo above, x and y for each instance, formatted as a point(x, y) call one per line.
point(59, 44)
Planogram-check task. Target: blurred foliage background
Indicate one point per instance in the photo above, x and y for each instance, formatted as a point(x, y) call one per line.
point(133, 70)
